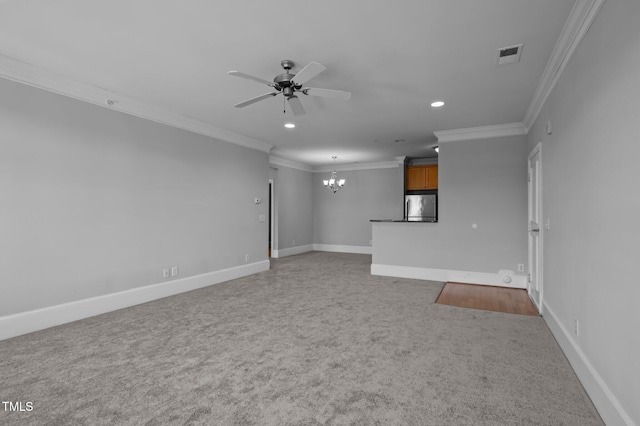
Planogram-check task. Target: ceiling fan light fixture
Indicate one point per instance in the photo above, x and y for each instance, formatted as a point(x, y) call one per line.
point(288, 84)
point(437, 104)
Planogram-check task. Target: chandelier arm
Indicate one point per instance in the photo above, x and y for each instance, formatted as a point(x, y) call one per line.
point(333, 183)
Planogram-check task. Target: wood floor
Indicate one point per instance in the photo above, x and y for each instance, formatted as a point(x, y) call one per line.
point(500, 299)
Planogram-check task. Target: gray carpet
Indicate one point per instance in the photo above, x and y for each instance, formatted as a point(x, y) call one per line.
point(316, 340)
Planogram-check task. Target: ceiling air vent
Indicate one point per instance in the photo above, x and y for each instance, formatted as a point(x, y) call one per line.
point(509, 55)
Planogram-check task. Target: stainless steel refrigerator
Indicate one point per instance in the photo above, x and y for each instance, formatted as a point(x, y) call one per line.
point(421, 208)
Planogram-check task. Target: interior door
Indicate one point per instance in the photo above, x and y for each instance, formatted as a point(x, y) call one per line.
point(534, 285)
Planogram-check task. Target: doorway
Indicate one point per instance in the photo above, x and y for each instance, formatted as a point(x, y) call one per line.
point(534, 282)
point(271, 218)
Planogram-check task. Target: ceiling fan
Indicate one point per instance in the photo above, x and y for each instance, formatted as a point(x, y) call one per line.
point(291, 84)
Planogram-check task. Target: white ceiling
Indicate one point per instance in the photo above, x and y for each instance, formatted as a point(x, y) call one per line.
point(395, 57)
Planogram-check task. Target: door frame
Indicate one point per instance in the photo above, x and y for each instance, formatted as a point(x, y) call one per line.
point(540, 257)
point(272, 218)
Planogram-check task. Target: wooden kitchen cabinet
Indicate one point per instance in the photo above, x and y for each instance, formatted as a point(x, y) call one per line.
point(432, 177)
point(422, 177)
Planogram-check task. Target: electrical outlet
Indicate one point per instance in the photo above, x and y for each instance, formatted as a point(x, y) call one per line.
point(520, 267)
point(577, 328)
point(262, 218)
point(547, 225)
point(174, 271)
point(165, 273)
point(246, 257)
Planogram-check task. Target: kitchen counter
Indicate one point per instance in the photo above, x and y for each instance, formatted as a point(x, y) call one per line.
point(403, 221)
point(435, 252)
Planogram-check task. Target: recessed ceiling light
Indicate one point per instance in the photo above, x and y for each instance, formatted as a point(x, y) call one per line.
point(437, 104)
point(289, 125)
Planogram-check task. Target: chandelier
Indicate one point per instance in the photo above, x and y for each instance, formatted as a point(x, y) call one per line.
point(333, 183)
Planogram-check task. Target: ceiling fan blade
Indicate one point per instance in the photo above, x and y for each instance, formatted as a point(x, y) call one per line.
point(296, 106)
point(254, 100)
point(250, 77)
point(307, 73)
point(327, 93)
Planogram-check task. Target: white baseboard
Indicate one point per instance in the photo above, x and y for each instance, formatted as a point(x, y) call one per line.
point(604, 400)
point(291, 251)
point(320, 247)
point(39, 319)
point(468, 277)
point(343, 249)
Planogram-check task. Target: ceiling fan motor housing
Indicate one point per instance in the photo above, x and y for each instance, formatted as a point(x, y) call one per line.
point(284, 82)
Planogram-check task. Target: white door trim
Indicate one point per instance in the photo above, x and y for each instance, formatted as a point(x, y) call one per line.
point(272, 218)
point(537, 150)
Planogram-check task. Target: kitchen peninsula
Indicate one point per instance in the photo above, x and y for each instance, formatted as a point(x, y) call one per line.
point(468, 238)
point(436, 252)
point(403, 221)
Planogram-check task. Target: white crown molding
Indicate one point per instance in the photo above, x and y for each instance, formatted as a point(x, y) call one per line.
point(358, 166)
point(579, 21)
point(484, 132)
point(283, 162)
point(21, 72)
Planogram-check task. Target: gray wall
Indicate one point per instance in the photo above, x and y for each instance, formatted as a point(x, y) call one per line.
point(343, 218)
point(294, 206)
point(93, 201)
point(590, 186)
point(482, 182)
